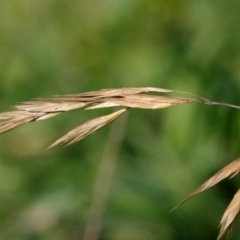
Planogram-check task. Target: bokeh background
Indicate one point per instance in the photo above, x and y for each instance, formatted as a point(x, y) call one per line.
point(53, 47)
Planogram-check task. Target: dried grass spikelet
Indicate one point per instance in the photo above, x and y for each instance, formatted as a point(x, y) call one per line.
point(230, 217)
point(126, 98)
point(232, 212)
point(87, 128)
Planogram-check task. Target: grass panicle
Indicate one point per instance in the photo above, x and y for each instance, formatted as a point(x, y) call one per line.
point(125, 98)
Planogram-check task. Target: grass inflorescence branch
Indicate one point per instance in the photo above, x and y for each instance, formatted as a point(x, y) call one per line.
point(125, 99)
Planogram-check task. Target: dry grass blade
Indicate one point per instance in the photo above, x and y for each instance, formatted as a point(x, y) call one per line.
point(230, 216)
point(230, 170)
point(87, 128)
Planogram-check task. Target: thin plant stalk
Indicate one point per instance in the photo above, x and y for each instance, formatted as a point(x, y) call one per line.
point(104, 178)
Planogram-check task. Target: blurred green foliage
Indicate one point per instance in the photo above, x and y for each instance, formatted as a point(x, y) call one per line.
point(61, 47)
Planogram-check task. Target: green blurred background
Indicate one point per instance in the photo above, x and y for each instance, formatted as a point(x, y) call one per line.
point(53, 47)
